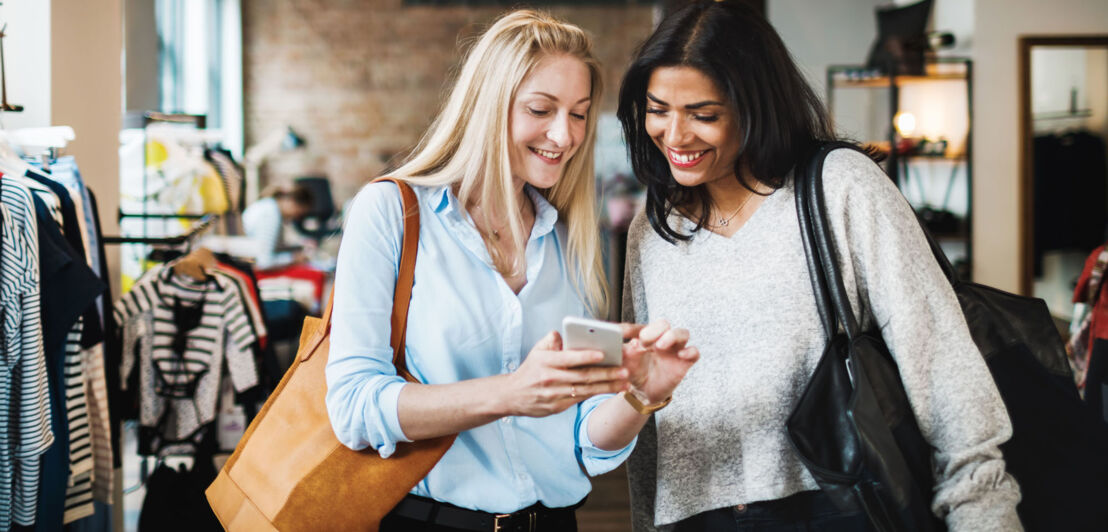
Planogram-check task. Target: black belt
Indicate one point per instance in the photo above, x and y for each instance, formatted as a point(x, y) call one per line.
point(530, 519)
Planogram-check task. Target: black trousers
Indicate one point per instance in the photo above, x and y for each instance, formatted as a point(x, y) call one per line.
point(803, 512)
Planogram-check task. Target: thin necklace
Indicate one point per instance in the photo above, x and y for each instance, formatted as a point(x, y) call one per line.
point(723, 222)
point(495, 232)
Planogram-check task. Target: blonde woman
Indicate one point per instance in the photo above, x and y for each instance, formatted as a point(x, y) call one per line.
point(507, 248)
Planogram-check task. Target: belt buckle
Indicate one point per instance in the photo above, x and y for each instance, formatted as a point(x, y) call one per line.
point(496, 521)
point(532, 520)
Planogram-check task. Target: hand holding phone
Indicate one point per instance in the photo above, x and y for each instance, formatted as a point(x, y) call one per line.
point(603, 336)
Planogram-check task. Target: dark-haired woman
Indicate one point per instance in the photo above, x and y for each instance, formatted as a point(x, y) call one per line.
point(717, 115)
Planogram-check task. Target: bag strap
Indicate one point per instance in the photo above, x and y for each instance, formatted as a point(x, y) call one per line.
point(404, 280)
point(819, 246)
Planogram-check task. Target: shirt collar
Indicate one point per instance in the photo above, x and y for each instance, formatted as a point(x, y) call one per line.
point(443, 201)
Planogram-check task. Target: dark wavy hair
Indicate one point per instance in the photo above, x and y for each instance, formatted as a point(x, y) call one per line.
point(779, 116)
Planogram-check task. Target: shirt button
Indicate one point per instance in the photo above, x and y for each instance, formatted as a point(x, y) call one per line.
point(506, 420)
point(511, 366)
point(740, 508)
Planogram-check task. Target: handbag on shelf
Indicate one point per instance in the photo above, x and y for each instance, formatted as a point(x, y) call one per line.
point(289, 471)
point(853, 427)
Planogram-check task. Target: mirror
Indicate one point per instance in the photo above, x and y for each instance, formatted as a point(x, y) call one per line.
point(1064, 167)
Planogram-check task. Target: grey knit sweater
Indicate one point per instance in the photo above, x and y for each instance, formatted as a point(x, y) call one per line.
point(748, 304)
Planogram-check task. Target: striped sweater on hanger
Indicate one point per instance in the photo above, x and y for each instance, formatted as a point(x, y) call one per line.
point(180, 366)
point(24, 409)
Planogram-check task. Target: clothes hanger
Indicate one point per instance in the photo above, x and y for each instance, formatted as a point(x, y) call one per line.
point(196, 264)
point(10, 161)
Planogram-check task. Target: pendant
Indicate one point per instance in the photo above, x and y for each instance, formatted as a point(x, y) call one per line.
point(723, 222)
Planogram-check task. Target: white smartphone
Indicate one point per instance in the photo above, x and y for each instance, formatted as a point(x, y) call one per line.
point(584, 333)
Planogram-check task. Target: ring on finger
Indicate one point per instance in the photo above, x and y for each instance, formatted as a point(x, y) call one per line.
point(573, 391)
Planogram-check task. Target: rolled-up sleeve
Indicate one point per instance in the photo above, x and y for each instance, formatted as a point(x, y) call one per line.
point(362, 384)
point(594, 460)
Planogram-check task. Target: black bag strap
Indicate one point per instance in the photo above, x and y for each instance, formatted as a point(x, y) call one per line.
point(819, 245)
point(801, 184)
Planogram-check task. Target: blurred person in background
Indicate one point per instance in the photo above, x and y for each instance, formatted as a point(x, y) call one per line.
point(265, 221)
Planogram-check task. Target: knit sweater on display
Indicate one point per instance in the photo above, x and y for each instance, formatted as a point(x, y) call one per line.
point(748, 304)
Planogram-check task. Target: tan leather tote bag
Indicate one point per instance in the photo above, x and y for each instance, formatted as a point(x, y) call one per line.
point(289, 471)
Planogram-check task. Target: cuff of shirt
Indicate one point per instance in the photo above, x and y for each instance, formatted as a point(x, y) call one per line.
point(388, 399)
point(594, 460)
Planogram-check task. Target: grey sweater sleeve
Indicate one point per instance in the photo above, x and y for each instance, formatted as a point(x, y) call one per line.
point(903, 290)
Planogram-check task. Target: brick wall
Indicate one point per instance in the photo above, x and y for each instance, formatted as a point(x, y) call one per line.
point(360, 80)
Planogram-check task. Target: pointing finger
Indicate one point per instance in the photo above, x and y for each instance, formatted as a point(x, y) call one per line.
point(673, 338)
point(652, 332)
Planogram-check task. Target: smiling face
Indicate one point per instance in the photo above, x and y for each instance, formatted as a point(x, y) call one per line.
point(548, 118)
point(690, 121)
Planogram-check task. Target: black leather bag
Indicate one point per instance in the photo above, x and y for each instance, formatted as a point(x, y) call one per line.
point(1056, 452)
point(853, 427)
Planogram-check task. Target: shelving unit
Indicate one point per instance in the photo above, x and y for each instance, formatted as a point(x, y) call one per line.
point(938, 183)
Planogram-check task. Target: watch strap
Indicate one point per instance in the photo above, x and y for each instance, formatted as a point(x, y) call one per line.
point(644, 409)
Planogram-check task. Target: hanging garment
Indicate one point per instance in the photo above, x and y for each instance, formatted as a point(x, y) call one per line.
point(299, 283)
point(112, 349)
point(1071, 183)
point(175, 497)
point(1090, 313)
point(91, 333)
point(248, 291)
point(64, 171)
point(67, 285)
point(85, 334)
point(231, 173)
point(179, 368)
point(233, 184)
point(24, 410)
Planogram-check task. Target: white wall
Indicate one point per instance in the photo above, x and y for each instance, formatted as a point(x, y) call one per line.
point(820, 34)
point(996, 137)
point(956, 17)
point(27, 62)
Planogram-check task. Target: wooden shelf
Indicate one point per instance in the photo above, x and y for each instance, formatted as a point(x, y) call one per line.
point(882, 147)
point(953, 157)
point(883, 81)
point(957, 74)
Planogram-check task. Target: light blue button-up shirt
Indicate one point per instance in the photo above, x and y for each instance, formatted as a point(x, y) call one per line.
point(464, 323)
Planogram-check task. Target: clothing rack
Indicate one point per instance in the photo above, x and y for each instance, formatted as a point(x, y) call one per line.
point(143, 120)
point(123, 215)
point(151, 117)
point(205, 221)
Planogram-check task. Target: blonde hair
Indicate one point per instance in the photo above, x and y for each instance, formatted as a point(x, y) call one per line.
point(468, 143)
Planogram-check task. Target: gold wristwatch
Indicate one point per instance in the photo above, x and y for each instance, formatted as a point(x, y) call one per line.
point(640, 407)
